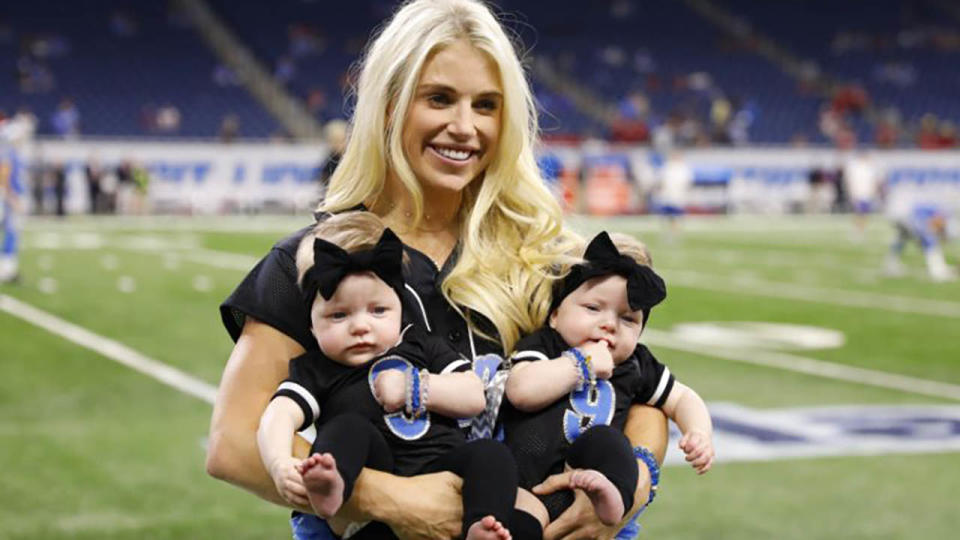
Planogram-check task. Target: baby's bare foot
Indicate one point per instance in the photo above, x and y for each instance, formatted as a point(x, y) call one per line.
point(606, 499)
point(488, 528)
point(324, 484)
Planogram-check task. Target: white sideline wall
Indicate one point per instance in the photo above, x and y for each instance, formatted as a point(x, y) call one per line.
point(209, 177)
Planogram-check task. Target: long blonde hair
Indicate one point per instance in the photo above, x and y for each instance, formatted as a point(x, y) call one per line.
point(511, 232)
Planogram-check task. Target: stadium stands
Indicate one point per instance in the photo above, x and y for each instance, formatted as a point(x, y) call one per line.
point(622, 69)
point(120, 62)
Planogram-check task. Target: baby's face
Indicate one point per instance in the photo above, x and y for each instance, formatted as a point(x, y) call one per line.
point(360, 321)
point(598, 311)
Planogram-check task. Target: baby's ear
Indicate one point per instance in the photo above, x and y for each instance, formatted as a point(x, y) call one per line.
point(552, 320)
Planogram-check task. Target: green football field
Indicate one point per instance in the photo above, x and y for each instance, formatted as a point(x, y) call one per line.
point(835, 389)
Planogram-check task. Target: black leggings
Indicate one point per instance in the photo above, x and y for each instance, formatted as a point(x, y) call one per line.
point(487, 468)
point(603, 449)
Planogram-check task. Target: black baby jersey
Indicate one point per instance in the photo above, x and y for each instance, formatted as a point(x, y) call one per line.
point(324, 389)
point(540, 440)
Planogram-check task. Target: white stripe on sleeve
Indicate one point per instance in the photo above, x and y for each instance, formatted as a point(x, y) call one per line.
point(536, 355)
point(454, 365)
point(664, 379)
point(302, 392)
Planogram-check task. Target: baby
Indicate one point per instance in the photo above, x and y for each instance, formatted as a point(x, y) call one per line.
point(573, 381)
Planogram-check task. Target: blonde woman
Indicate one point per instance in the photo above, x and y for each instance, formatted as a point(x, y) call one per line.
point(441, 148)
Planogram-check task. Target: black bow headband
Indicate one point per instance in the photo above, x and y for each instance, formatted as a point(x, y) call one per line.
point(645, 288)
point(331, 264)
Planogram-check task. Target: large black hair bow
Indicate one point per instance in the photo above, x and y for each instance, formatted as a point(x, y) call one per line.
point(331, 264)
point(645, 288)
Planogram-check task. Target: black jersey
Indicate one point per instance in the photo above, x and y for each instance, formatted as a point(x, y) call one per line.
point(540, 440)
point(324, 389)
point(269, 293)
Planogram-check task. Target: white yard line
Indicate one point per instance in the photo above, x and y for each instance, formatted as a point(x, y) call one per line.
point(822, 295)
point(109, 348)
point(809, 366)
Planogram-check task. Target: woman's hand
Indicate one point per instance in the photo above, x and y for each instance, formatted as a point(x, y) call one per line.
point(580, 521)
point(431, 507)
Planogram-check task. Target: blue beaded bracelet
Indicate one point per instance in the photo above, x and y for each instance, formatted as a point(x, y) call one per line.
point(644, 454)
point(583, 364)
point(413, 392)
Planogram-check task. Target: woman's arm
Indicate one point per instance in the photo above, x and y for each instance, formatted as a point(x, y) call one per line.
point(257, 365)
point(646, 426)
point(435, 512)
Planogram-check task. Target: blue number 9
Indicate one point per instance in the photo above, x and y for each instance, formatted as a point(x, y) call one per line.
point(593, 403)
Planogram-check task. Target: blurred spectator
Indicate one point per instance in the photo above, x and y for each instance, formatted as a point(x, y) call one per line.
point(168, 119)
point(830, 122)
point(862, 180)
point(676, 179)
point(822, 180)
point(304, 40)
point(66, 119)
point(850, 99)
point(94, 174)
point(224, 76)
point(284, 70)
point(630, 126)
point(229, 128)
point(316, 101)
point(33, 76)
point(739, 129)
point(148, 117)
point(720, 119)
point(887, 129)
point(664, 135)
point(947, 134)
point(901, 74)
point(132, 185)
point(59, 176)
point(46, 45)
point(927, 136)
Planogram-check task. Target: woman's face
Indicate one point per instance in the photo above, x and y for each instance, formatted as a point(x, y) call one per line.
point(453, 124)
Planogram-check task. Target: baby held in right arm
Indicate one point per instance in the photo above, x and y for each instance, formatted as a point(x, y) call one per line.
point(576, 377)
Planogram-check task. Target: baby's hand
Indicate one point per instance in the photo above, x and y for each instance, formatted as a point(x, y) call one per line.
point(600, 358)
point(698, 446)
point(286, 477)
point(390, 389)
